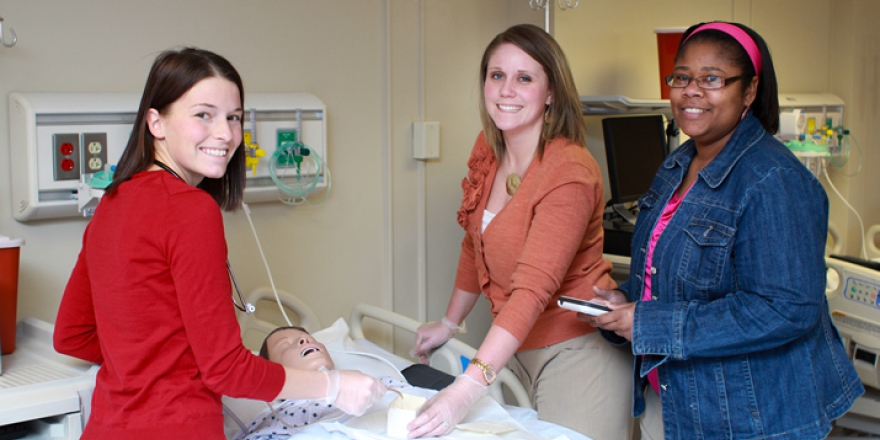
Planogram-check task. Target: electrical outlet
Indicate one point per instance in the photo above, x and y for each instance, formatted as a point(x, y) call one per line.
point(94, 152)
point(66, 154)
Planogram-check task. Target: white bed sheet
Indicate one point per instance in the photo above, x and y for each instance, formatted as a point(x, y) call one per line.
point(365, 356)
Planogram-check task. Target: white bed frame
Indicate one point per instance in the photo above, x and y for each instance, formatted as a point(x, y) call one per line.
point(873, 251)
point(446, 358)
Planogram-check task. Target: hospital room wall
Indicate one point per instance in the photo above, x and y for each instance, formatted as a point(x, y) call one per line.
point(333, 255)
point(361, 58)
point(855, 77)
point(378, 66)
point(449, 37)
point(817, 45)
point(612, 50)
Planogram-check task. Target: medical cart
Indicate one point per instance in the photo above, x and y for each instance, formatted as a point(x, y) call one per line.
point(43, 395)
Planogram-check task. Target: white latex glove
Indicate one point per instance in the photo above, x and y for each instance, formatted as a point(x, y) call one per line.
point(447, 408)
point(432, 335)
point(352, 391)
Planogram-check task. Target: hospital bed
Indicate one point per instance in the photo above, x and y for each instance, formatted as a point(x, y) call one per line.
point(870, 242)
point(853, 292)
point(350, 349)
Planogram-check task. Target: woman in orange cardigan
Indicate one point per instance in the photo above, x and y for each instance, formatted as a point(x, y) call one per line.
point(532, 214)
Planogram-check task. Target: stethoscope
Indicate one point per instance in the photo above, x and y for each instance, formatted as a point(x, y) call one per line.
point(245, 307)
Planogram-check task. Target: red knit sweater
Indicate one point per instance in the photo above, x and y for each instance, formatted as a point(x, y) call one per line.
point(546, 242)
point(149, 300)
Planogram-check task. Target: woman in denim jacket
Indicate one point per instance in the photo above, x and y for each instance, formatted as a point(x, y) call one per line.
point(729, 324)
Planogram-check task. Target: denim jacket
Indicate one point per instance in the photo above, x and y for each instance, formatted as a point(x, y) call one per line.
point(738, 325)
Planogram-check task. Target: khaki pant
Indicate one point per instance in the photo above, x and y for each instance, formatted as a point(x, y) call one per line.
point(651, 421)
point(583, 383)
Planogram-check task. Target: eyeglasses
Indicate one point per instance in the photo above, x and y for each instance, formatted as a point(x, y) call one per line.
point(708, 82)
point(243, 306)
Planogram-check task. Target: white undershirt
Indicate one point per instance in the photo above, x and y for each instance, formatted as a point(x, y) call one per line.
point(487, 218)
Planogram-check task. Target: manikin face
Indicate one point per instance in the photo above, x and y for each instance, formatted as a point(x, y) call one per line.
point(709, 116)
point(297, 349)
point(199, 132)
point(516, 91)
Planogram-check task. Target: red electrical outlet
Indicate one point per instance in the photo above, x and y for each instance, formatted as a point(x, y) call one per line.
point(65, 151)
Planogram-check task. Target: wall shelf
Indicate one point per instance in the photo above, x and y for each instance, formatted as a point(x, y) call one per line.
point(619, 104)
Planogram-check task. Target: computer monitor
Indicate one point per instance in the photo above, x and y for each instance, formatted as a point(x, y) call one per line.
point(635, 146)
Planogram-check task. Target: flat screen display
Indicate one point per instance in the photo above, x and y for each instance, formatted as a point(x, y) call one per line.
point(635, 146)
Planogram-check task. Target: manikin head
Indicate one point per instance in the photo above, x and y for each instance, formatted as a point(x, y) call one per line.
point(294, 347)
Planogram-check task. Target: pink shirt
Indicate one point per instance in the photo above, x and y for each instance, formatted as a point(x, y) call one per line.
point(667, 214)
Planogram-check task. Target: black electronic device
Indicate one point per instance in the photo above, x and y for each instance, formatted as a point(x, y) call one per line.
point(618, 235)
point(425, 376)
point(635, 146)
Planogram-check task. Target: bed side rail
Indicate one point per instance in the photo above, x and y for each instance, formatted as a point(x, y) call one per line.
point(450, 352)
point(257, 325)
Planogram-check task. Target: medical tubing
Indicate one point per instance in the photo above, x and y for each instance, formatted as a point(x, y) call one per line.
point(235, 418)
point(303, 199)
point(247, 211)
point(371, 355)
point(840, 165)
point(298, 193)
point(861, 224)
point(332, 385)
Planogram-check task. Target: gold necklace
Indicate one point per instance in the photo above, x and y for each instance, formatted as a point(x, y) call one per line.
point(513, 182)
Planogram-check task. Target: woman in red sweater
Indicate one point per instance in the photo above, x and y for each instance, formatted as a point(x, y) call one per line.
point(148, 298)
point(532, 214)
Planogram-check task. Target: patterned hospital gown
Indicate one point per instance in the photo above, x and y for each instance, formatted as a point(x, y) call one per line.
point(298, 414)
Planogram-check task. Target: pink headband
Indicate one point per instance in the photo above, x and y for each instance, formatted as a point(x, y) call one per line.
point(740, 36)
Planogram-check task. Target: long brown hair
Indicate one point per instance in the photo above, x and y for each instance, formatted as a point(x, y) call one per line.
point(563, 117)
point(173, 74)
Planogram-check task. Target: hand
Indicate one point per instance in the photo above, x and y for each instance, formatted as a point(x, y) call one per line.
point(611, 298)
point(619, 320)
point(447, 408)
point(352, 391)
point(430, 336)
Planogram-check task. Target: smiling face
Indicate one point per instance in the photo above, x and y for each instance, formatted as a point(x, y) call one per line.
point(198, 134)
point(297, 349)
point(709, 117)
point(516, 91)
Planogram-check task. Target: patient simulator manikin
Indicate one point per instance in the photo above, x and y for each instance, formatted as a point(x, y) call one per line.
point(295, 347)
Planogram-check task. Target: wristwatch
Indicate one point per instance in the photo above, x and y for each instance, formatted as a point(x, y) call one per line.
point(488, 372)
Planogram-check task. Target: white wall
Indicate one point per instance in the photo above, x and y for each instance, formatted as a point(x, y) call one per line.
point(817, 46)
point(387, 234)
point(335, 50)
point(364, 59)
point(443, 85)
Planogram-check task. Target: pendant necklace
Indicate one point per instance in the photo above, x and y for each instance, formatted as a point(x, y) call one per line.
point(513, 182)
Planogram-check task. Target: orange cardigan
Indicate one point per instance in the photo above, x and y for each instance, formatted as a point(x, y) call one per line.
point(545, 243)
